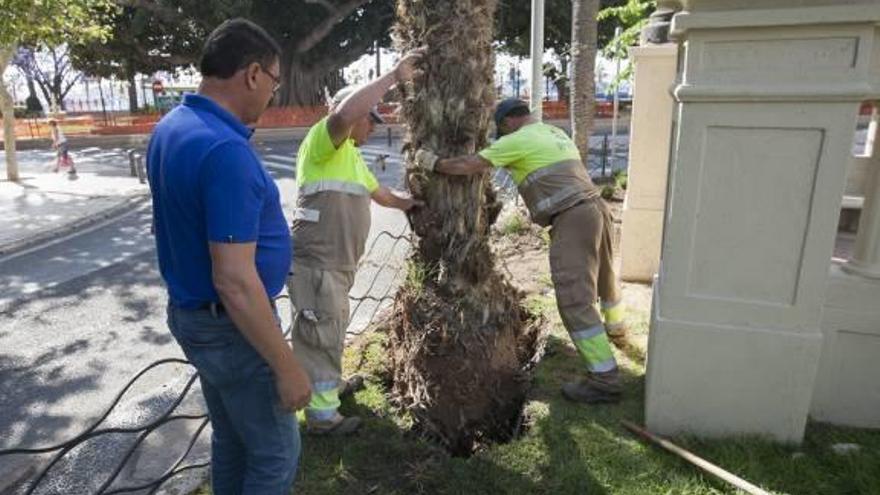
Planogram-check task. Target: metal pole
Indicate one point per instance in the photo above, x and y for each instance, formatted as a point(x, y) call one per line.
point(604, 152)
point(103, 103)
point(617, 32)
point(378, 60)
point(537, 91)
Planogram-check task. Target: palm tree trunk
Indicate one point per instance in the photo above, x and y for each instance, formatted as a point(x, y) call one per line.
point(460, 340)
point(583, 61)
point(6, 107)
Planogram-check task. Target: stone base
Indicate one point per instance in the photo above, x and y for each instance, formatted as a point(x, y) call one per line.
point(640, 241)
point(717, 381)
point(848, 385)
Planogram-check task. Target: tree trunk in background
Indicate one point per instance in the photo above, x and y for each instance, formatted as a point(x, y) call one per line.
point(461, 343)
point(133, 94)
point(32, 103)
point(583, 64)
point(6, 107)
point(304, 86)
point(563, 83)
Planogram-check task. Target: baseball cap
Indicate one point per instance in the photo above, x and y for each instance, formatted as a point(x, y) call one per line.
point(348, 90)
point(505, 107)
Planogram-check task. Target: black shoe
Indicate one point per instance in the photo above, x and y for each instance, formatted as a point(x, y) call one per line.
point(597, 388)
point(339, 426)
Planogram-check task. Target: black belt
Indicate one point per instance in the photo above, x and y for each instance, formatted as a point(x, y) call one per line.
point(216, 308)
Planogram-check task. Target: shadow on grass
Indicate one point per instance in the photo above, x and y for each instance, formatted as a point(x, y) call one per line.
point(567, 448)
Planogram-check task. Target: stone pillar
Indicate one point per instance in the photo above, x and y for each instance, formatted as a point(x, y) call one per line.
point(865, 260)
point(650, 131)
point(848, 384)
point(766, 111)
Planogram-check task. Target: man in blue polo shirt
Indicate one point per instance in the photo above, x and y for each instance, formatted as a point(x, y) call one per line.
point(224, 252)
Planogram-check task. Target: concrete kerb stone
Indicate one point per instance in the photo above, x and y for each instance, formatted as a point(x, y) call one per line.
point(126, 204)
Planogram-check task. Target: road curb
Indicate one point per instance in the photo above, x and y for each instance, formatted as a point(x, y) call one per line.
point(130, 202)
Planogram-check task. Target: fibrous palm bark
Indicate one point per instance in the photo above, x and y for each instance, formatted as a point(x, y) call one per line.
point(461, 341)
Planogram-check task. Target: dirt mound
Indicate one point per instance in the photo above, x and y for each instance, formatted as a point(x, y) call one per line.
point(464, 382)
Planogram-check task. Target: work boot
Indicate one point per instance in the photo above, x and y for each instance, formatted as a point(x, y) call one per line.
point(595, 388)
point(338, 426)
point(352, 384)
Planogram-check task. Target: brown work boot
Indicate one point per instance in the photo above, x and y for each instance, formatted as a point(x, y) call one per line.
point(352, 384)
point(338, 426)
point(595, 388)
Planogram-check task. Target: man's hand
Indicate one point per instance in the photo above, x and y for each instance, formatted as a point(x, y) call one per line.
point(405, 68)
point(389, 199)
point(407, 203)
point(425, 159)
point(293, 388)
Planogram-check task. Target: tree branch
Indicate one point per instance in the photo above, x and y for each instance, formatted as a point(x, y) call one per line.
point(160, 11)
point(70, 85)
point(323, 3)
point(323, 29)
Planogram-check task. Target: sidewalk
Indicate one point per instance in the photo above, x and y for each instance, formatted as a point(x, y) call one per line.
point(45, 205)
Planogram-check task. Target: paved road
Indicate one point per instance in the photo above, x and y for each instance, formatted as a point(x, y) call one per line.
point(79, 317)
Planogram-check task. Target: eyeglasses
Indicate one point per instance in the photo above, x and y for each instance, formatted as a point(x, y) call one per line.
point(275, 79)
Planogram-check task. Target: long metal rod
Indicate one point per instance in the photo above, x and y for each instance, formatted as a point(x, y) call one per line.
point(536, 94)
point(697, 461)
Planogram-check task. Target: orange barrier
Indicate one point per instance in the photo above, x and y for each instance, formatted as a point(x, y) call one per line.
point(118, 123)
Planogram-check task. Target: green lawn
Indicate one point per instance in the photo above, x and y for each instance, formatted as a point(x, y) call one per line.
point(568, 448)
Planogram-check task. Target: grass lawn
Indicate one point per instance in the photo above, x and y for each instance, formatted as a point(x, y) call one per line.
point(568, 448)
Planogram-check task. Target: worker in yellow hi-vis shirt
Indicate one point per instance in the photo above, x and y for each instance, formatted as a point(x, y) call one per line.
point(557, 190)
point(330, 227)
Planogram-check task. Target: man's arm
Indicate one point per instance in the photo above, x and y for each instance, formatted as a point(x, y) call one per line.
point(462, 165)
point(359, 103)
point(387, 198)
point(458, 165)
point(237, 282)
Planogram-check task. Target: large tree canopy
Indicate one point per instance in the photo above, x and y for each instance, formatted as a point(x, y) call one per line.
point(513, 23)
point(318, 38)
point(54, 22)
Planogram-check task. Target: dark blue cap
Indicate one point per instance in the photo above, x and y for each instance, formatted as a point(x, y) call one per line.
point(504, 108)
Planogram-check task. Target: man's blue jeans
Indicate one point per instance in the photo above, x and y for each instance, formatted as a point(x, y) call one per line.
point(255, 446)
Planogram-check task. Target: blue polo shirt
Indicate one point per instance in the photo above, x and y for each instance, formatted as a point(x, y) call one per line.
point(208, 185)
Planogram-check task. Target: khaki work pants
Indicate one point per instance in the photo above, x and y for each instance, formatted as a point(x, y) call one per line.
point(320, 318)
point(581, 257)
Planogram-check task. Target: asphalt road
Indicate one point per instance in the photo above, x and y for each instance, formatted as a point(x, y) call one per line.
point(81, 315)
